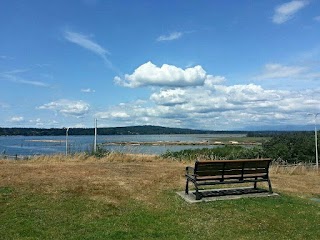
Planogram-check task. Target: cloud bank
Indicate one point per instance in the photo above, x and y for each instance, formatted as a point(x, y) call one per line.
point(220, 107)
point(192, 98)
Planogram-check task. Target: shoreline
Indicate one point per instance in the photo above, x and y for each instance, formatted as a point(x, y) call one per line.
point(45, 140)
point(181, 143)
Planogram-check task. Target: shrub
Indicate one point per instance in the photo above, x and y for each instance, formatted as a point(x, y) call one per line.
point(226, 152)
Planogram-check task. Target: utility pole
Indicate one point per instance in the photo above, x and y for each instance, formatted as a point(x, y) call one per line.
point(316, 137)
point(95, 135)
point(67, 130)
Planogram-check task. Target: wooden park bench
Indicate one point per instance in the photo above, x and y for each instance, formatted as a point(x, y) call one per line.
point(206, 173)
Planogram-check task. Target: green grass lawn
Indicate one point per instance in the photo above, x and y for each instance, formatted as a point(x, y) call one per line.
point(68, 215)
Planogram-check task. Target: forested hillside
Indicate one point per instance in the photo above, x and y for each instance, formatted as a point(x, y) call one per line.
point(132, 130)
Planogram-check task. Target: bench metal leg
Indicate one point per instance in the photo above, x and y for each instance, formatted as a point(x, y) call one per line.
point(198, 195)
point(187, 187)
point(255, 184)
point(270, 188)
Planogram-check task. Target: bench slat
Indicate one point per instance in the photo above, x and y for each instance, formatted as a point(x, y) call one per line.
point(239, 176)
point(231, 168)
point(231, 165)
point(230, 181)
point(258, 164)
point(231, 172)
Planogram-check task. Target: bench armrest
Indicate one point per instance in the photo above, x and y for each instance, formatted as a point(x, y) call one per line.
point(189, 170)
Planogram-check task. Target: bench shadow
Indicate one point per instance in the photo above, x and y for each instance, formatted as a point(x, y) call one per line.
point(231, 192)
point(208, 195)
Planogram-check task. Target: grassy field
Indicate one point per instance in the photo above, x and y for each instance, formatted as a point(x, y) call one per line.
point(133, 197)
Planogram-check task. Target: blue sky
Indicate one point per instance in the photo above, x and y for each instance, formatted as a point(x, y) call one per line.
point(218, 65)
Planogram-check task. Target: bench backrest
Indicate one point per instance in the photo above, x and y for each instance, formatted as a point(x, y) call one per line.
point(232, 167)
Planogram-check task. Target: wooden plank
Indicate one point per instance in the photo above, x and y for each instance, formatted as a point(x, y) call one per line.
point(236, 160)
point(257, 164)
point(209, 173)
point(215, 165)
point(229, 170)
point(231, 164)
point(234, 165)
point(253, 171)
point(235, 176)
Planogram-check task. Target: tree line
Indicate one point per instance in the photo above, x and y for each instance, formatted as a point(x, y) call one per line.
point(131, 130)
point(292, 147)
point(289, 147)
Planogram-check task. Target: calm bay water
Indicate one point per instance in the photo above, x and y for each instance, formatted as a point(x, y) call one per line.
point(45, 145)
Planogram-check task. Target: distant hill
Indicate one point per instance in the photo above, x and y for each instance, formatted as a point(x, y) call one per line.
point(131, 130)
point(138, 130)
point(149, 130)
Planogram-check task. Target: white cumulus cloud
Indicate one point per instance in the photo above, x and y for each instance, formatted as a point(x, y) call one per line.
point(211, 81)
point(286, 11)
point(249, 93)
point(68, 107)
point(113, 114)
point(218, 107)
point(169, 97)
point(149, 74)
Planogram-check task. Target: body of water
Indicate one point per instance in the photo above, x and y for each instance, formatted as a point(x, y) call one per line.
point(45, 145)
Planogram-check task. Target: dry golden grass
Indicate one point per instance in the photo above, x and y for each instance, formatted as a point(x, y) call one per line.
point(115, 178)
point(120, 177)
point(300, 180)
